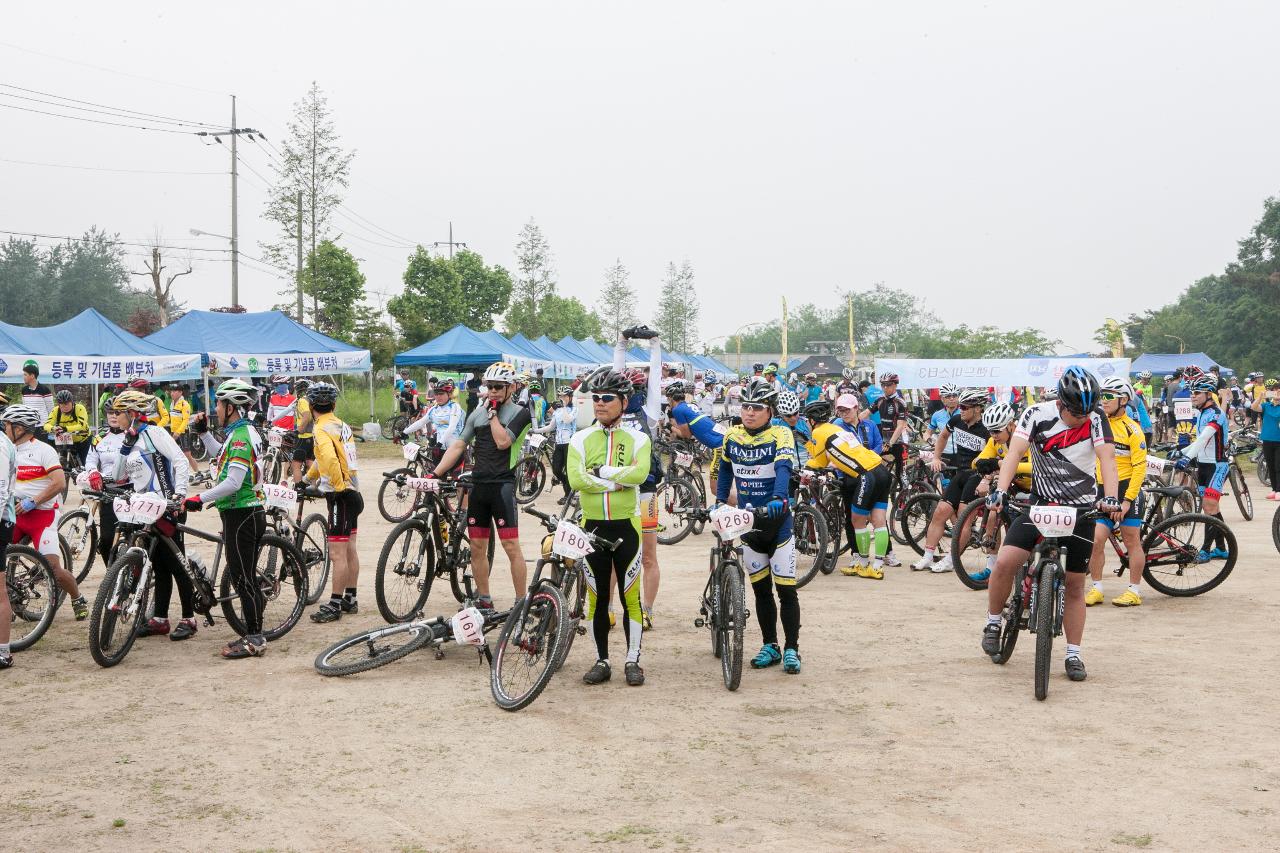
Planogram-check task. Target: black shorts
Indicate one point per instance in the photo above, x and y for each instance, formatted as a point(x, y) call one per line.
point(959, 486)
point(871, 491)
point(344, 512)
point(489, 504)
point(1132, 518)
point(304, 449)
point(1023, 534)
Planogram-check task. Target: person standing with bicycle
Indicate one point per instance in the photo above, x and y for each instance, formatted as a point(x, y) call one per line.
point(69, 418)
point(497, 426)
point(1131, 468)
point(758, 462)
point(304, 449)
point(1070, 442)
point(965, 434)
point(1208, 452)
point(1267, 406)
point(8, 478)
point(102, 464)
point(606, 463)
point(564, 423)
point(236, 496)
point(335, 470)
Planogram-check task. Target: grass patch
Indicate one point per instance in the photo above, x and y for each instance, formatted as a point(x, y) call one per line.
point(117, 823)
point(1132, 840)
point(628, 832)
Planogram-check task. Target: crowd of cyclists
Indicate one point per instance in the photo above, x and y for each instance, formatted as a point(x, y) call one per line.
point(1081, 443)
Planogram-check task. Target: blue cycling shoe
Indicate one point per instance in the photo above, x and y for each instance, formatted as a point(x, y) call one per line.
point(767, 656)
point(983, 575)
point(1203, 557)
point(1219, 554)
point(791, 662)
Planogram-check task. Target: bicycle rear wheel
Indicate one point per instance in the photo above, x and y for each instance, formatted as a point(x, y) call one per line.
point(531, 477)
point(281, 575)
point(732, 620)
point(528, 647)
point(915, 517)
point(1045, 612)
point(1012, 622)
point(118, 609)
point(396, 500)
point(811, 548)
point(372, 649)
point(406, 568)
point(1173, 548)
point(33, 595)
point(81, 535)
point(1240, 488)
point(968, 556)
point(677, 499)
point(313, 542)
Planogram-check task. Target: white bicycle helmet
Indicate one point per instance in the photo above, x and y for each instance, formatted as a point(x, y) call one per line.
point(1118, 385)
point(949, 390)
point(973, 397)
point(500, 371)
point(237, 392)
point(997, 417)
point(848, 374)
point(22, 415)
point(788, 403)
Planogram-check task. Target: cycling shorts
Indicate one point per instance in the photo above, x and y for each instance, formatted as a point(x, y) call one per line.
point(954, 493)
point(1079, 546)
point(769, 534)
point(1211, 476)
point(490, 504)
point(649, 512)
point(781, 562)
point(344, 513)
point(871, 491)
point(41, 527)
point(1132, 518)
point(304, 449)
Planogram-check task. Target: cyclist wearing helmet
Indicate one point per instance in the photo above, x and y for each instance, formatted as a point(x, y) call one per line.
point(607, 462)
point(758, 461)
point(497, 427)
point(8, 477)
point(304, 449)
point(101, 466)
point(864, 487)
point(950, 400)
point(967, 434)
point(1184, 410)
point(1137, 411)
point(563, 423)
point(999, 420)
point(537, 404)
point(1131, 468)
point(688, 422)
point(733, 398)
point(282, 406)
point(771, 376)
point(1267, 405)
point(443, 420)
point(37, 485)
point(848, 383)
point(68, 423)
point(1208, 454)
point(1070, 442)
point(892, 410)
point(788, 409)
point(159, 414)
point(236, 496)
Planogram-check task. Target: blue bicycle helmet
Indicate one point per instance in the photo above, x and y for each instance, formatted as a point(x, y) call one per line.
point(1078, 390)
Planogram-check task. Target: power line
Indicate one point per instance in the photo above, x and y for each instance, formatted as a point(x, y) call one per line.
point(109, 70)
point(107, 109)
point(94, 120)
point(105, 169)
point(110, 242)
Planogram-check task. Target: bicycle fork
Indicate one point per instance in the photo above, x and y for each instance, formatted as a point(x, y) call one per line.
point(144, 577)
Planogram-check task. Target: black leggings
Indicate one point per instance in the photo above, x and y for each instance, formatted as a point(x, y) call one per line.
point(767, 612)
point(168, 569)
point(242, 532)
point(106, 530)
point(1271, 455)
point(622, 564)
point(560, 465)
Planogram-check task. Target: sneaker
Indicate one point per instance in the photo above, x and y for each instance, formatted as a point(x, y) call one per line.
point(153, 627)
point(598, 674)
point(768, 656)
point(870, 572)
point(991, 639)
point(1273, 496)
point(186, 630)
point(635, 675)
point(80, 608)
point(852, 569)
point(924, 564)
point(350, 606)
point(943, 566)
point(891, 560)
point(1075, 668)
point(6, 661)
point(1093, 596)
point(791, 662)
point(328, 612)
point(1215, 554)
point(1128, 598)
point(254, 646)
point(981, 576)
point(484, 603)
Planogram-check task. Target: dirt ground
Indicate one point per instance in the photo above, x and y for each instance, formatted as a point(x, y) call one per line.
point(898, 735)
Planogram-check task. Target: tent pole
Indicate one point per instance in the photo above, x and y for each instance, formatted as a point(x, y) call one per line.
point(96, 395)
point(207, 409)
point(372, 416)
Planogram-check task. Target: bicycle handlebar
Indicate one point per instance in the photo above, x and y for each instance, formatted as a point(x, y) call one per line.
point(551, 522)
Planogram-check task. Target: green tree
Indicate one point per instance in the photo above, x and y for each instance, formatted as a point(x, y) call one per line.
point(432, 301)
point(90, 272)
point(485, 290)
point(24, 284)
point(678, 309)
point(560, 316)
point(374, 332)
point(335, 284)
point(535, 281)
point(617, 305)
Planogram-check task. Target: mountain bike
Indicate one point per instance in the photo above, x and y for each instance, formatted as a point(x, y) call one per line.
point(1236, 447)
point(811, 537)
point(722, 606)
point(1038, 598)
point(310, 535)
point(917, 512)
point(33, 595)
point(397, 500)
point(678, 504)
point(144, 523)
point(820, 490)
point(1172, 547)
point(79, 529)
point(917, 478)
point(531, 470)
point(279, 452)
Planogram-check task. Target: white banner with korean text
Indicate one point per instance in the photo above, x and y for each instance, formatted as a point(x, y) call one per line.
point(291, 364)
point(100, 370)
point(988, 372)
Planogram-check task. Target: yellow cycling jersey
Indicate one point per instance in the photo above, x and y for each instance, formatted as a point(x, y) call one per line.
point(304, 408)
point(162, 414)
point(996, 450)
point(179, 416)
point(1131, 455)
point(75, 422)
point(832, 447)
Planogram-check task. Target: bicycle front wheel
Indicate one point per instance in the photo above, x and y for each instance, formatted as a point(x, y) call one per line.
point(1240, 488)
point(812, 553)
point(372, 649)
point(914, 518)
point(531, 477)
point(1173, 554)
point(1045, 612)
point(282, 579)
point(313, 542)
point(396, 500)
point(81, 535)
point(732, 614)
point(968, 555)
point(33, 595)
point(118, 610)
point(406, 568)
point(526, 654)
point(677, 500)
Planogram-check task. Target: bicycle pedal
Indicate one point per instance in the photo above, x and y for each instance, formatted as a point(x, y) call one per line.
point(746, 614)
point(699, 622)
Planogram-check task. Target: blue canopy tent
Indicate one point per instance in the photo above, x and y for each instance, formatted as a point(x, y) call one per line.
point(459, 348)
point(582, 353)
point(89, 349)
point(1161, 363)
point(568, 364)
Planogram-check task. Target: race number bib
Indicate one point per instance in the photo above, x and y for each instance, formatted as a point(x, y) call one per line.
point(721, 429)
point(731, 522)
point(684, 460)
point(571, 542)
point(1054, 520)
point(468, 627)
point(279, 497)
point(411, 451)
point(62, 439)
point(350, 448)
point(423, 484)
point(120, 506)
point(1156, 465)
point(1182, 410)
point(147, 507)
point(926, 455)
point(536, 441)
point(275, 437)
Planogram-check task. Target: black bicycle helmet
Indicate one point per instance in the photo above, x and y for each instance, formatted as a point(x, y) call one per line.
point(64, 396)
point(1078, 390)
point(674, 387)
point(818, 412)
point(322, 394)
point(609, 382)
point(760, 390)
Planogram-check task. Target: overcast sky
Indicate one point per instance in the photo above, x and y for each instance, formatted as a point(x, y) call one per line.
point(1014, 163)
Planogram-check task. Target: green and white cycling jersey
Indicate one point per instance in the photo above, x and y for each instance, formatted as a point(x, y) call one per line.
point(622, 455)
point(239, 450)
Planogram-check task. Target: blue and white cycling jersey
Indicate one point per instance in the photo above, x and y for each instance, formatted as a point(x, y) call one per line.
point(937, 423)
point(446, 423)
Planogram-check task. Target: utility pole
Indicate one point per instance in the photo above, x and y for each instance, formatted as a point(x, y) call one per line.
point(299, 256)
point(450, 243)
point(233, 132)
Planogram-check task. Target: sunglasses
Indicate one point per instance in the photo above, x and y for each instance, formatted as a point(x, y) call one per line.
point(1109, 396)
point(969, 407)
point(603, 398)
point(496, 387)
point(754, 407)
